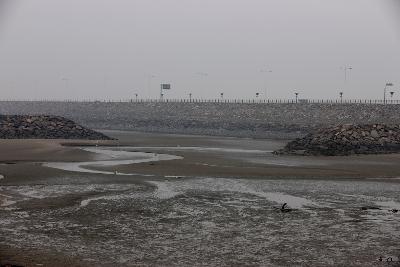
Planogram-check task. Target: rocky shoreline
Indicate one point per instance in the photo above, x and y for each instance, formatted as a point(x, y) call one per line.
point(44, 127)
point(347, 139)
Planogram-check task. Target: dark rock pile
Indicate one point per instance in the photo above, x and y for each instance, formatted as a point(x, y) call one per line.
point(347, 139)
point(44, 127)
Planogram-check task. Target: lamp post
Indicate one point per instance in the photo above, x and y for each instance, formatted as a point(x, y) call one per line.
point(149, 79)
point(297, 95)
point(222, 95)
point(202, 80)
point(257, 95)
point(266, 81)
point(190, 97)
point(391, 94)
point(346, 68)
point(341, 97)
point(384, 91)
point(136, 97)
point(66, 80)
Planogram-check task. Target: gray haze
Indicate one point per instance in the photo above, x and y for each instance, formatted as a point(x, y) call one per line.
point(116, 48)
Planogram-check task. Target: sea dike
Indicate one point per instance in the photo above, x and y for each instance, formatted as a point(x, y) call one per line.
point(283, 121)
point(347, 139)
point(44, 127)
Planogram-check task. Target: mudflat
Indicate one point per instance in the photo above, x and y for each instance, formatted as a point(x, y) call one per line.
point(31, 150)
point(202, 156)
point(160, 199)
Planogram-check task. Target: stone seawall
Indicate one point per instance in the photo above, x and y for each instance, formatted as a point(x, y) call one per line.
point(242, 120)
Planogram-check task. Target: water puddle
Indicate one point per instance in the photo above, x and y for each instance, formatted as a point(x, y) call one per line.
point(389, 204)
point(205, 149)
point(113, 158)
point(6, 200)
point(11, 195)
point(115, 197)
point(170, 189)
point(292, 201)
point(384, 178)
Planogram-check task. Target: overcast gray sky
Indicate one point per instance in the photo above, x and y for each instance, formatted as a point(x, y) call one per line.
point(116, 48)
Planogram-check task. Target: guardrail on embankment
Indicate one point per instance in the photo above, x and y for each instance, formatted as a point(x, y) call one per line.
point(229, 101)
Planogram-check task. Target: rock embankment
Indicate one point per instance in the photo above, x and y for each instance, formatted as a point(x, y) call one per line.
point(278, 121)
point(44, 127)
point(347, 139)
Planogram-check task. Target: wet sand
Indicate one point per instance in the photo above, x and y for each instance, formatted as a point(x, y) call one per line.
point(33, 150)
point(251, 165)
point(202, 156)
point(211, 202)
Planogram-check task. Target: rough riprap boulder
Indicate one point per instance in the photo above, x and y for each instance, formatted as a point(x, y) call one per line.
point(347, 139)
point(44, 127)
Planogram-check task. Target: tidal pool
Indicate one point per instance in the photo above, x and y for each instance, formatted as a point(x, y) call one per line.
point(110, 157)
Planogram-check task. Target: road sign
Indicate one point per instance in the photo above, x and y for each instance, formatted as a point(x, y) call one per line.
point(166, 86)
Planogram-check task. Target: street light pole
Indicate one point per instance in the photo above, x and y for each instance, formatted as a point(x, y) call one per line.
point(297, 95)
point(202, 79)
point(161, 92)
point(346, 68)
point(384, 91)
point(266, 81)
point(341, 97)
point(149, 79)
point(190, 97)
point(66, 80)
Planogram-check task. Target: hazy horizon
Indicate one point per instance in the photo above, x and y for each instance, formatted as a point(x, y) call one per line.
point(101, 49)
